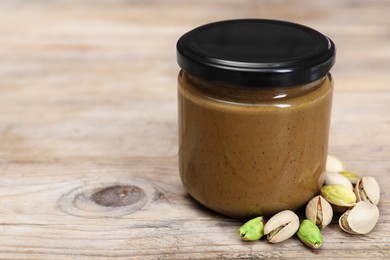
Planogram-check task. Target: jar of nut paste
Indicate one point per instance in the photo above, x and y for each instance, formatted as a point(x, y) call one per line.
point(254, 112)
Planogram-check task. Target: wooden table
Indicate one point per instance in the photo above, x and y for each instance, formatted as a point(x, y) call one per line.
point(88, 127)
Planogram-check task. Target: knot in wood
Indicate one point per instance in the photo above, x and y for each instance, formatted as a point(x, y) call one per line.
point(118, 196)
point(107, 199)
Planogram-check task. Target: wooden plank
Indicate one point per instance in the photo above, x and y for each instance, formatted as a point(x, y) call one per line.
point(88, 128)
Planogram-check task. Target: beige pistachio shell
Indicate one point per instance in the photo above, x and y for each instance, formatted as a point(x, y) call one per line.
point(367, 189)
point(361, 219)
point(333, 164)
point(340, 197)
point(337, 178)
point(319, 211)
point(281, 226)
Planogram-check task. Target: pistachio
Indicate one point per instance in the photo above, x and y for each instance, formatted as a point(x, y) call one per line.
point(252, 230)
point(360, 219)
point(337, 178)
point(353, 178)
point(334, 164)
point(310, 234)
point(281, 226)
point(340, 197)
point(367, 189)
point(319, 211)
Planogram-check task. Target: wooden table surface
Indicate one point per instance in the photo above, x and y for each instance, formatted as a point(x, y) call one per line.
point(88, 127)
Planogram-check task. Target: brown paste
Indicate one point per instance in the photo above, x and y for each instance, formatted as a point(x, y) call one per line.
point(246, 152)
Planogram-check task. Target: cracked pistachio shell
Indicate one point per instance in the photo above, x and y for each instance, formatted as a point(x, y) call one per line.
point(367, 189)
point(319, 211)
point(340, 197)
point(252, 230)
point(334, 164)
point(310, 234)
point(353, 178)
point(360, 219)
point(281, 226)
point(337, 178)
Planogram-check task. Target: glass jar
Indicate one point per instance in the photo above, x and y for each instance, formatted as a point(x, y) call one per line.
point(254, 112)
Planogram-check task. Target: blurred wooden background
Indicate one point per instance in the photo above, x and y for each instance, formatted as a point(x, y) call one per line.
point(88, 127)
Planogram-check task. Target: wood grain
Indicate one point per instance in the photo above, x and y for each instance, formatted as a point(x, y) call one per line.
point(88, 128)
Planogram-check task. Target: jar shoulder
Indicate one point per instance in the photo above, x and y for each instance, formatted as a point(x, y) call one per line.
point(209, 93)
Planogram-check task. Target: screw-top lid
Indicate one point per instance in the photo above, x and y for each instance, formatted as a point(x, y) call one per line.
point(256, 53)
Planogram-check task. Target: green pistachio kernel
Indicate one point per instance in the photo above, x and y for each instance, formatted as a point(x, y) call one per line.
point(310, 234)
point(339, 195)
point(353, 178)
point(252, 230)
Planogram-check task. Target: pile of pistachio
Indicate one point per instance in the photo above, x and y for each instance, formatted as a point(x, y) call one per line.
point(356, 197)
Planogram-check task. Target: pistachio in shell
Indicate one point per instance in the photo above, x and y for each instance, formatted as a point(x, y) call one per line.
point(333, 164)
point(281, 226)
point(352, 177)
point(252, 230)
point(319, 211)
point(360, 219)
point(367, 189)
point(340, 197)
point(310, 234)
point(337, 178)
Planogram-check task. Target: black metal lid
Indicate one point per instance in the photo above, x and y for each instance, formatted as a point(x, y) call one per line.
point(256, 53)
